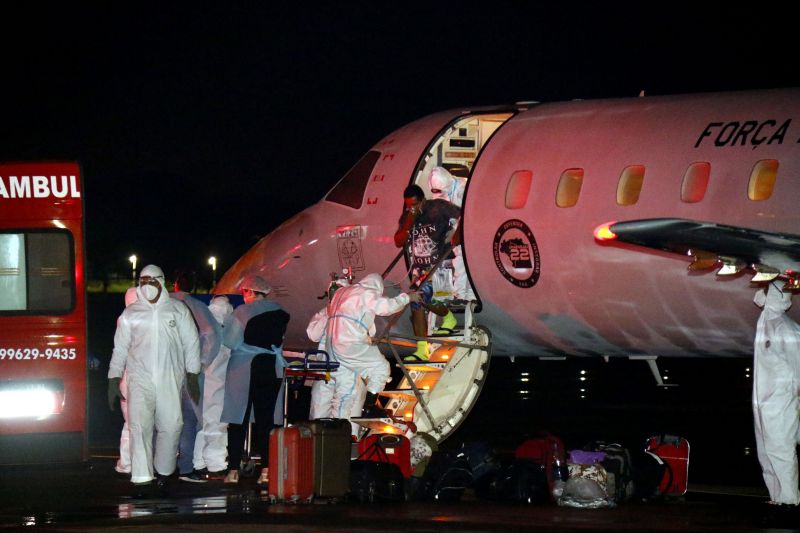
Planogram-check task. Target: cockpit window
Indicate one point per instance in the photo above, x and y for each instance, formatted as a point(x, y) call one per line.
point(350, 189)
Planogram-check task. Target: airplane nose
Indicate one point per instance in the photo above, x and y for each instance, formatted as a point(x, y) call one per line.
point(274, 256)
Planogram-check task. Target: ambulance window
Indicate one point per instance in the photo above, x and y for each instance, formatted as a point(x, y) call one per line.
point(569, 187)
point(37, 272)
point(762, 180)
point(519, 186)
point(350, 189)
point(695, 182)
point(630, 185)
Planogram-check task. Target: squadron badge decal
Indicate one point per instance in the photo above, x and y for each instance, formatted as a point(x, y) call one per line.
point(516, 253)
point(349, 245)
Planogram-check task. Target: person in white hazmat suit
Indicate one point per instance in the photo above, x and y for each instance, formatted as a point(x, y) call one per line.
point(215, 431)
point(191, 449)
point(343, 329)
point(156, 342)
point(123, 465)
point(776, 394)
point(445, 186)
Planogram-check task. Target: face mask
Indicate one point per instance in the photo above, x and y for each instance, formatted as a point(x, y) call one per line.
point(149, 291)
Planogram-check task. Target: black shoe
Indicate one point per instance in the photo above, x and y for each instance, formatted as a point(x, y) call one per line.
point(162, 485)
point(142, 491)
point(195, 476)
point(218, 475)
point(781, 516)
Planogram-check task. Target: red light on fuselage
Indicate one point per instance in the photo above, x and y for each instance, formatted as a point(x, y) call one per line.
point(603, 232)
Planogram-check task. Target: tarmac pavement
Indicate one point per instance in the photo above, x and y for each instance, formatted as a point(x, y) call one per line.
point(94, 497)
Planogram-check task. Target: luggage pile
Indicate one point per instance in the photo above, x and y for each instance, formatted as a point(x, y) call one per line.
point(318, 460)
point(311, 459)
point(606, 474)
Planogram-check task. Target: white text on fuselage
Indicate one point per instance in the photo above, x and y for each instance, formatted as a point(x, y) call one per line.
point(747, 133)
point(39, 187)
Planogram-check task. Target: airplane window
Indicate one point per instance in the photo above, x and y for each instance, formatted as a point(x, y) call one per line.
point(518, 188)
point(695, 182)
point(569, 187)
point(350, 189)
point(762, 179)
point(630, 185)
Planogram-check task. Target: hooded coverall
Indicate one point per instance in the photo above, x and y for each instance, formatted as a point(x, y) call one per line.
point(215, 452)
point(123, 465)
point(343, 329)
point(156, 344)
point(776, 395)
point(193, 438)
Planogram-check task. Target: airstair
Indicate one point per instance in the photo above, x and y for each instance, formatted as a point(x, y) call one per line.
point(435, 396)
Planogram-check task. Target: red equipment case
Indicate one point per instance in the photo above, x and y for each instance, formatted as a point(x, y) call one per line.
point(387, 448)
point(674, 451)
point(291, 464)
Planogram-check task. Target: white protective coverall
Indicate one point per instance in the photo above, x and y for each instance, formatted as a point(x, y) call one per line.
point(216, 434)
point(156, 344)
point(343, 329)
point(123, 465)
point(776, 394)
point(451, 189)
point(210, 333)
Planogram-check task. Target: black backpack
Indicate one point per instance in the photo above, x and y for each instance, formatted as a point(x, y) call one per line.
point(521, 481)
point(648, 471)
point(372, 482)
point(447, 476)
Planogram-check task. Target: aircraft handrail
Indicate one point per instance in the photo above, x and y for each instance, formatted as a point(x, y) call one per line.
point(394, 262)
point(438, 340)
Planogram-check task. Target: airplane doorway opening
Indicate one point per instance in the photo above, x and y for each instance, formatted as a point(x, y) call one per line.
point(456, 149)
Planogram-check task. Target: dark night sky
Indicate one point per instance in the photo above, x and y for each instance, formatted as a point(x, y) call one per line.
point(186, 117)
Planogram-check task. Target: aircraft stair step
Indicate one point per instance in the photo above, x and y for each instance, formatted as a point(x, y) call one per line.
point(382, 425)
point(448, 383)
point(458, 306)
point(406, 394)
point(424, 367)
point(456, 335)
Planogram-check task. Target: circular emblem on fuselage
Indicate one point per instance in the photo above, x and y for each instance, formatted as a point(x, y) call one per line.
point(516, 253)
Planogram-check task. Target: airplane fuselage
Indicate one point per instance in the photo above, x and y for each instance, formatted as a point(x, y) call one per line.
point(541, 178)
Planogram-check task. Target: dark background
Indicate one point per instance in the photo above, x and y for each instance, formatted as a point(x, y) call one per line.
point(200, 127)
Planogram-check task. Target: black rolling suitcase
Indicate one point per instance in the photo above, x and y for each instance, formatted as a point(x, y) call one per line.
point(371, 482)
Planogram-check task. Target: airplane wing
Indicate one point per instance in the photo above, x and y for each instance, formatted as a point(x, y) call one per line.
point(711, 245)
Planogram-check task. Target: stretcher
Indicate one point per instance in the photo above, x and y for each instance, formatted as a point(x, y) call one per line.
point(310, 365)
